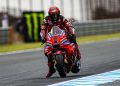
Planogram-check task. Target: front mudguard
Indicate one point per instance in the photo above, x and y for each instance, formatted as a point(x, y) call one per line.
point(58, 52)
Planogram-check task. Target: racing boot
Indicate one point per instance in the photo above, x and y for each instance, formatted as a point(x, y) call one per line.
point(51, 69)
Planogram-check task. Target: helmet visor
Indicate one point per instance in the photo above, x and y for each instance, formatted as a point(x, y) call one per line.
point(54, 17)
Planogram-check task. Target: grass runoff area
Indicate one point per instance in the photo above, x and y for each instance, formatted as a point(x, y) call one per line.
point(82, 39)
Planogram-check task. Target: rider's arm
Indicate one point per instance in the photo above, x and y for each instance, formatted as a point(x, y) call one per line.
point(43, 30)
point(70, 30)
point(68, 26)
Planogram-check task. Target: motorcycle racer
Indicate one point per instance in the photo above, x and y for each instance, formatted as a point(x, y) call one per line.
point(55, 19)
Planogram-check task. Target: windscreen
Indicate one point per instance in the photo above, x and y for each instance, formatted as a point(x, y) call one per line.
point(56, 30)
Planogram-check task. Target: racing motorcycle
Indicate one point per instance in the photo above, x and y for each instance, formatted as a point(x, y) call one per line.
point(59, 49)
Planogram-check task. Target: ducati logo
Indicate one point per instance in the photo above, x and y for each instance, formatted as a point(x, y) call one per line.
point(53, 9)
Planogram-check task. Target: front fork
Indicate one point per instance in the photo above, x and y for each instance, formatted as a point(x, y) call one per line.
point(67, 61)
point(64, 55)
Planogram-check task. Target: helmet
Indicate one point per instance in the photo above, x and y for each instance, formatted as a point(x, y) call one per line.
point(54, 13)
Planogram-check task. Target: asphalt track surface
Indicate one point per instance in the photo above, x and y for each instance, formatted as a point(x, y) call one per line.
point(30, 68)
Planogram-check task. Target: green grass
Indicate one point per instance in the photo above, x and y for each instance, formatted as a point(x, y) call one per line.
point(23, 46)
point(15, 47)
point(97, 37)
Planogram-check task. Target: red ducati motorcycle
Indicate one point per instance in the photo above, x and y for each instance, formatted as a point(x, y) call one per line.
point(59, 49)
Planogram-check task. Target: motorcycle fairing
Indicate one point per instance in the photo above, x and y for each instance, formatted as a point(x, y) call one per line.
point(58, 39)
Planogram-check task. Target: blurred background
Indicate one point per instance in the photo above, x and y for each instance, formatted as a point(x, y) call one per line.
point(20, 20)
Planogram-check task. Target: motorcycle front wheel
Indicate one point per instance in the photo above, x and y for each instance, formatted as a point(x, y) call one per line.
point(60, 65)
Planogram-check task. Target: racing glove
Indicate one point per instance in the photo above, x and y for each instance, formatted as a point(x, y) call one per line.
point(73, 39)
point(42, 38)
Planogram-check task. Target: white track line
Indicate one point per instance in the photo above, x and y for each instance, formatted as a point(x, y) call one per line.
point(92, 80)
point(21, 51)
